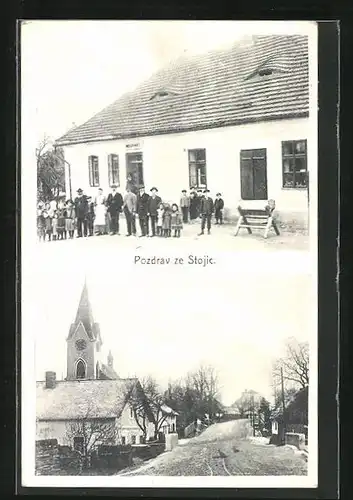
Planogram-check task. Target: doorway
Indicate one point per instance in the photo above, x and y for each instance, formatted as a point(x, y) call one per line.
point(253, 174)
point(134, 167)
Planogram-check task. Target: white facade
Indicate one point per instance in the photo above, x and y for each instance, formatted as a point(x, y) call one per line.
point(165, 163)
point(127, 429)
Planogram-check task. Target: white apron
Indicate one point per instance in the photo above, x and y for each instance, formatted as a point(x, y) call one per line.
point(100, 211)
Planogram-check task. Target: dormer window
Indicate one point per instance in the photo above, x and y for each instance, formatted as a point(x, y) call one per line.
point(265, 72)
point(162, 94)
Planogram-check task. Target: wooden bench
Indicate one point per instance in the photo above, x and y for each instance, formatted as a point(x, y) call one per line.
point(250, 218)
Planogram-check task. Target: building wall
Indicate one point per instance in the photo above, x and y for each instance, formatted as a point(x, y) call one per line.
point(165, 162)
point(58, 429)
point(87, 355)
point(127, 426)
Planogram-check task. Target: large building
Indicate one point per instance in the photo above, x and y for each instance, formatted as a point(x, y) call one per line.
point(234, 120)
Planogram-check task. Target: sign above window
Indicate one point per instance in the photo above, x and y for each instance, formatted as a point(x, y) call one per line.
point(134, 146)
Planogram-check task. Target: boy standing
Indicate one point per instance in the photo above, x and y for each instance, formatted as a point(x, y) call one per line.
point(206, 211)
point(185, 205)
point(218, 208)
point(153, 204)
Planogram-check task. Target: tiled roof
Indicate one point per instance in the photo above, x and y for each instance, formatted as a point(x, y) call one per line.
point(74, 399)
point(219, 88)
point(85, 316)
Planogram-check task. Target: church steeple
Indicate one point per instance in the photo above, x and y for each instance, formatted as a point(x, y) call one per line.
point(83, 342)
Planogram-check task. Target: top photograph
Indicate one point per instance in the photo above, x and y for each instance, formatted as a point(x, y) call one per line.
point(203, 139)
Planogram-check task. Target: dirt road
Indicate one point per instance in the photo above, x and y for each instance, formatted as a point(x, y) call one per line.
point(225, 449)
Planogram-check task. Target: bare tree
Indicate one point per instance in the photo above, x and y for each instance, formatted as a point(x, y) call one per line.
point(294, 365)
point(147, 401)
point(205, 386)
point(50, 169)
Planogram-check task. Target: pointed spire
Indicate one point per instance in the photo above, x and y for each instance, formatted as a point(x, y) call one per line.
point(85, 316)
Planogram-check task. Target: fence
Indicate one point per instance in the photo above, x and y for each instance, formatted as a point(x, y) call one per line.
point(53, 459)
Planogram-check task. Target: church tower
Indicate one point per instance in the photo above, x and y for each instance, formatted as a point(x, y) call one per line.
point(84, 346)
point(84, 343)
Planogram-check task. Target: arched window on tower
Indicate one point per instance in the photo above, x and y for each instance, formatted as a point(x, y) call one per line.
point(80, 369)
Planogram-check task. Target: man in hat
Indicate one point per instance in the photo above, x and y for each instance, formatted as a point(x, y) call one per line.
point(218, 208)
point(81, 210)
point(185, 205)
point(153, 205)
point(206, 210)
point(115, 203)
point(199, 196)
point(142, 210)
point(130, 207)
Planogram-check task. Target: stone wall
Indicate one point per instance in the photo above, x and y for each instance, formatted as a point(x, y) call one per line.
point(52, 459)
point(295, 439)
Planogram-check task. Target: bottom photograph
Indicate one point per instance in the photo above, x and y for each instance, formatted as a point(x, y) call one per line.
point(171, 377)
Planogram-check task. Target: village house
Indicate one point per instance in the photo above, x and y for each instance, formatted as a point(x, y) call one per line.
point(234, 120)
point(93, 402)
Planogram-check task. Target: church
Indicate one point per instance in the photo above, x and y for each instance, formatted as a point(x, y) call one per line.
point(92, 394)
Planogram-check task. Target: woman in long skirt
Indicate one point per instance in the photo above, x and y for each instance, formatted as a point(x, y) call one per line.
point(101, 210)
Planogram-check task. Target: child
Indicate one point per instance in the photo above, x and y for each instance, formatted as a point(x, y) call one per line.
point(160, 215)
point(61, 225)
point(40, 222)
point(47, 225)
point(167, 222)
point(91, 216)
point(70, 219)
point(218, 208)
point(185, 205)
point(176, 220)
point(54, 222)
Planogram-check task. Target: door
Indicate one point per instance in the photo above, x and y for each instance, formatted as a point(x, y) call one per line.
point(134, 166)
point(253, 174)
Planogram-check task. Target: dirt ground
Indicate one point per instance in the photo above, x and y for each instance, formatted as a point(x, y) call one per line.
point(225, 449)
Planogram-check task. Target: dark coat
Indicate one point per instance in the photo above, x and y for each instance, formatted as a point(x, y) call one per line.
point(81, 206)
point(153, 205)
point(115, 203)
point(218, 204)
point(206, 206)
point(143, 205)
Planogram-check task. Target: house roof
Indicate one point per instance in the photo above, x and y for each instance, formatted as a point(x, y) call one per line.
point(75, 399)
point(85, 316)
point(168, 410)
point(107, 371)
point(219, 88)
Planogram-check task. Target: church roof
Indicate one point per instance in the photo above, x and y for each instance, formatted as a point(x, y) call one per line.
point(85, 316)
point(75, 399)
point(107, 371)
point(262, 78)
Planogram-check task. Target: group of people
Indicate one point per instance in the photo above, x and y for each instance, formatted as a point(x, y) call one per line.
point(101, 215)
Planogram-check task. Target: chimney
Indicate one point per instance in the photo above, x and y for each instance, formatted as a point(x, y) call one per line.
point(50, 379)
point(110, 359)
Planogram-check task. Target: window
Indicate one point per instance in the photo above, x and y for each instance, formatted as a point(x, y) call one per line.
point(80, 369)
point(197, 168)
point(131, 412)
point(78, 443)
point(123, 440)
point(93, 171)
point(134, 167)
point(113, 170)
point(253, 174)
point(294, 164)
point(133, 439)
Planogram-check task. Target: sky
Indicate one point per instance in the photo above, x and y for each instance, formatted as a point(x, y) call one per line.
point(165, 322)
point(70, 70)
